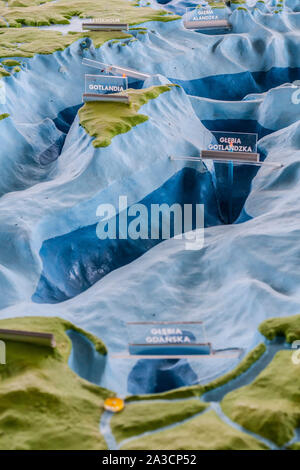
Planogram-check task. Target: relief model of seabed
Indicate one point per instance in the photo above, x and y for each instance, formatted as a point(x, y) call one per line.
point(127, 334)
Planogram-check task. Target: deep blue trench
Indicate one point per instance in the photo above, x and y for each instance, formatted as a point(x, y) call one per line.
point(233, 188)
point(75, 261)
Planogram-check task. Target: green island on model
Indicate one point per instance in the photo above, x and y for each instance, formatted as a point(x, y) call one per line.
point(106, 120)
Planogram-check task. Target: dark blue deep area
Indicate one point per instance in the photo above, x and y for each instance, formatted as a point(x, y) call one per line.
point(233, 184)
point(64, 119)
point(160, 375)
point(237, 86)
point(75, 261)
point(232, 194)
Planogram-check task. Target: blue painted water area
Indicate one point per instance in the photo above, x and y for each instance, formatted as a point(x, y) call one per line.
point(84, 359)
point(160, 375)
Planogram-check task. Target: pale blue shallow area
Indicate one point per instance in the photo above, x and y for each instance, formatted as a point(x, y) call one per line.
point(52, 180)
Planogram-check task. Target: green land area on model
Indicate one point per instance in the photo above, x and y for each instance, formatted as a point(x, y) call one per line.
point(18, 41)
point(45, 405)
point(270, 405)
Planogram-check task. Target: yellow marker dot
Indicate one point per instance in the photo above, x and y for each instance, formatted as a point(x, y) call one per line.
point(114, 404)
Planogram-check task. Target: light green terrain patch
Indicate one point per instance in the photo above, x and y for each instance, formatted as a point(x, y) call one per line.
point(204, 432)
point(218, 5)
point(214, 4)
point(141, 417)
point(287, 326)
point(44, 405)
point(26, 42)
point(61, 12)
point(270, 405)
point(295, 446)
point(4, 73)
point(198, 390)
point(3, 116)
point(25, 3)
point(106, 120)
point(10, 62)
